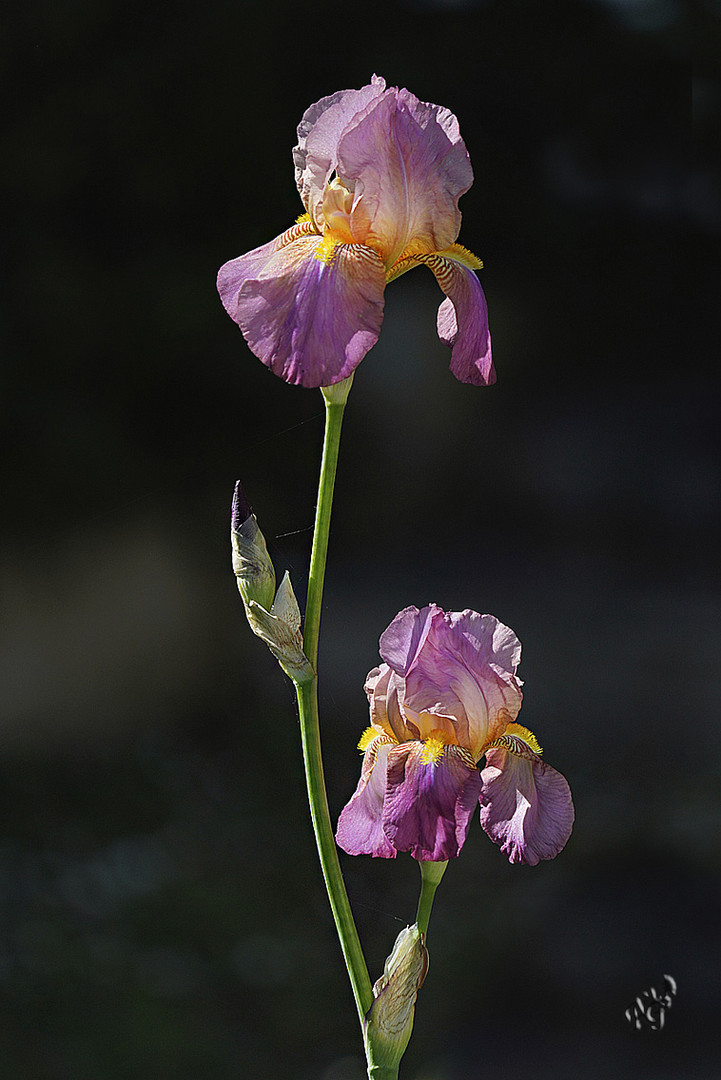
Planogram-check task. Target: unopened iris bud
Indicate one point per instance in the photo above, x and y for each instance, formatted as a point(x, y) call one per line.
point(389, 1022)
point(251, 562)
point(273, 616)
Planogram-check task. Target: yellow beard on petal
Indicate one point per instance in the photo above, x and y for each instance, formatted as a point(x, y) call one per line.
point(367, 738)
point(325, 251)
point(461, 254)
point(434, 747)
point(513, 732)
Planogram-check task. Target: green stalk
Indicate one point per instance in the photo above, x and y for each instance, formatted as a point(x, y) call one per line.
point(335, 399)
point(431, 874)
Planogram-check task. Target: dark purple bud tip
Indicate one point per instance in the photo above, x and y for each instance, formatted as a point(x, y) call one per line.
point(241, 510)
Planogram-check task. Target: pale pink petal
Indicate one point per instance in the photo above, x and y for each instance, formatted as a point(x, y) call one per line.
point(406, 635)
point(526, 805)
point(232, 274)
point(459, 665)
point(360, 825)
point(463, 321)
point(385, 690)
point(311, 315)
point(319, 131)
point(428, 806)
point(407, 165)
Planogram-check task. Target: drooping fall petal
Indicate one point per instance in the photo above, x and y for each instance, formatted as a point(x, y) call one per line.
point(429, 804)
point(360, 825)
point(526, 805)
point(463, 320)
point(311, 310)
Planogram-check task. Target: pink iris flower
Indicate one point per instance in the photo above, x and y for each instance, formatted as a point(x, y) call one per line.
point(380, 174)
point(446, 696)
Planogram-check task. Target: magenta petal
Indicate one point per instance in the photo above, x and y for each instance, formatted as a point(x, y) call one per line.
point(463, 323)
point(312, 317)
point(428, 807)
point(360, 825)
point(526, 806)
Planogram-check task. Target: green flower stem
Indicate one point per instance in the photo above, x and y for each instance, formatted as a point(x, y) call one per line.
point(431, 874)
point(335, 398)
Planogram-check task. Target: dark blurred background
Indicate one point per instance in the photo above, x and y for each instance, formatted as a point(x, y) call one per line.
point(161, 911)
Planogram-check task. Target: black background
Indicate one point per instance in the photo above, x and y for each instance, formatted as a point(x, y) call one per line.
point(162, 913)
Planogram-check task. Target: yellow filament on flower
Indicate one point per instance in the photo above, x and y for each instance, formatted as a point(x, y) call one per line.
point(301, 218)
point(434, 747)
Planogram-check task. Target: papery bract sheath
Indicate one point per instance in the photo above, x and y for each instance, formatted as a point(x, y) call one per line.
point(273, 616)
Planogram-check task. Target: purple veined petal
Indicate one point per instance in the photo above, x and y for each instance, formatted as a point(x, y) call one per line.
point(233, 273)
point(463, 317)
point(315, 156)
point(314, 310)
point(384, 689)
point(459, 665)
point(360, 825)
point(526, 805)
point(408, 166)
point(428, 806)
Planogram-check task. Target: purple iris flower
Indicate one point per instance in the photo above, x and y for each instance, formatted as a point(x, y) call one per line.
point(380, 174)
point(446, 696)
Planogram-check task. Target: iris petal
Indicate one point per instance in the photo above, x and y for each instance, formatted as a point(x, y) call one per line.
point(360, 825)
point(408, 166)
point(310, 309)
point(232, 274)
point(385, 691)
point(316, 154)
point(461, 665)
point(526, 805)
point(463, 322)
point(428, 806)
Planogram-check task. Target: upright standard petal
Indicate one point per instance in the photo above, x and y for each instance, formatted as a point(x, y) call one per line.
point(314, 309)
point(315, 156)
point(459, 665)
point(526, 806)
point(405, 637)
point(429, 803)
point(408, 166)
point(385, 692)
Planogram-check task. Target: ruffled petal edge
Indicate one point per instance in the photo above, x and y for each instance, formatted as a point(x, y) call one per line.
point(526, 805)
